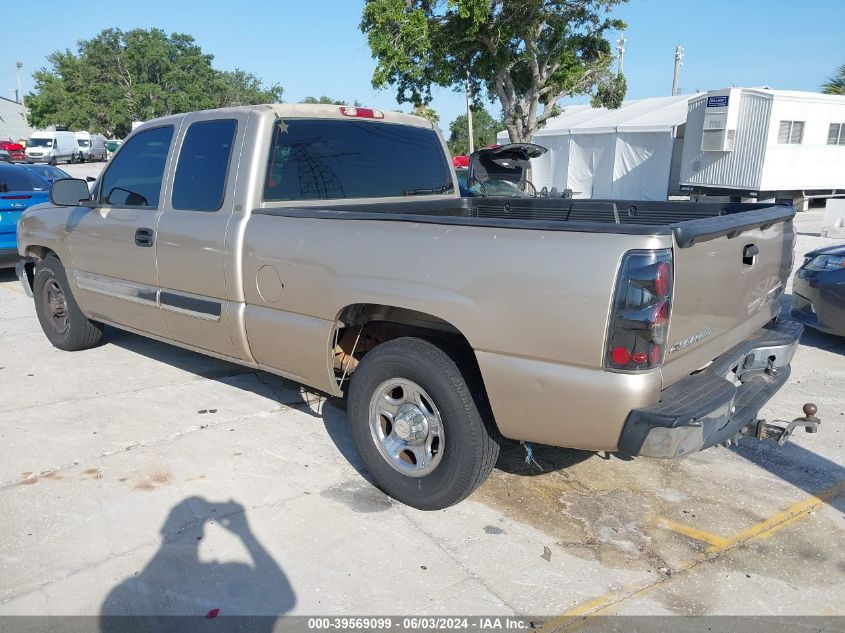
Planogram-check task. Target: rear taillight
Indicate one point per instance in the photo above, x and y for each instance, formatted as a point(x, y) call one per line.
point(642, 305)
point(361, 113)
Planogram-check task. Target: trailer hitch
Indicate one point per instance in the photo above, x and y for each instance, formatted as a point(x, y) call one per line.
point(763, 430)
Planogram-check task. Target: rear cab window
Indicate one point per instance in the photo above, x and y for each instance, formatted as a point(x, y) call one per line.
point(134, 176)
point(327, 159)
point(200, 180)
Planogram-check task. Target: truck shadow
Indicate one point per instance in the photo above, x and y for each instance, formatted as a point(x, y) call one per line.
point(176, 582)
point(332, 411)
point(823, 341)
point(794, 464)
point(270, 386)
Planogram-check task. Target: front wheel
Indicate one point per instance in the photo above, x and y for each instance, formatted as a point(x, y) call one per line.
point(53, 161)
point(420, 424)
point(60, 316)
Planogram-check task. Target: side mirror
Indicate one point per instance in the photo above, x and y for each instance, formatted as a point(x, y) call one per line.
point(69, 192)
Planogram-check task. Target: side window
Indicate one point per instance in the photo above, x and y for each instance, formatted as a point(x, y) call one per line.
point(200, 181)
point(133, 178)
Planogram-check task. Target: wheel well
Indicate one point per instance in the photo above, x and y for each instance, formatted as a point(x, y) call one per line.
point(362, 326)
point(37, 253)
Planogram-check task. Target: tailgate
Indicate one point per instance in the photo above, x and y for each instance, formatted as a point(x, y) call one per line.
point(730, 273)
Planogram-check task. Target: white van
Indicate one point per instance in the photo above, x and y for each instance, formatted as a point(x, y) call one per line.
point(52, 147)
point(91, 146)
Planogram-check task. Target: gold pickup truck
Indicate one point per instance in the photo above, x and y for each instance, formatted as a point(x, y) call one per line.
point(330, 245)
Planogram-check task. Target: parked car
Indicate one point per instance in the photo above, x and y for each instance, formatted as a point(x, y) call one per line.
point(19, 190)
point(91, 146)
point(52, 147)
point(495, 188)
point(48, 172)
point(500, 171)
point(818, 290)
point(329, 245)
point(14, 151)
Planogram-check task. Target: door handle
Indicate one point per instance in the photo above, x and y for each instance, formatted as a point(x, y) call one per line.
point(749, 253)
point(144, 238)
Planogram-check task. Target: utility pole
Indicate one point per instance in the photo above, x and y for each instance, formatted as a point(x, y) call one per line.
point(679, 60)
point(18, 66)
point(469, 118)
point(620, 47)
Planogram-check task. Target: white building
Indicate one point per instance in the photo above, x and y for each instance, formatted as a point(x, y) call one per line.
point(13, 125)
point(740, 142)
point(766, 144)
point(621, 154)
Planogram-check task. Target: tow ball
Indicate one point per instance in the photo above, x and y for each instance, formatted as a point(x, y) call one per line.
point(763, 430)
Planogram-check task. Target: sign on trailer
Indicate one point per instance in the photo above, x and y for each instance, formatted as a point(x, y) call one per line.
point(719, 101)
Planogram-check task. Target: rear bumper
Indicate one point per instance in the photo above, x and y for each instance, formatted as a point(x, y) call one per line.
point(713, 405)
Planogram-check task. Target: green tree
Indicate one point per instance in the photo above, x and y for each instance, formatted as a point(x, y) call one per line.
point(426, 112)
point(835, 85)
point(329, 101)
point(528, 54)
point(118, 77)
point(484, 130)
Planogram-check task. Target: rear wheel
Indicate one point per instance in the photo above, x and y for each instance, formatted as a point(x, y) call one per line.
point(60, 316)
point(420, 424)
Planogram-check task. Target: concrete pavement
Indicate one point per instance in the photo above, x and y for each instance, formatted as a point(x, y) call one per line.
point(139, 478)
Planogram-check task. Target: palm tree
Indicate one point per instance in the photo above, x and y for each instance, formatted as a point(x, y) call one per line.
point(835, 85)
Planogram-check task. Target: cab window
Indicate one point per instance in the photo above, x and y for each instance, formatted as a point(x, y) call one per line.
point(200, 181)
point(133, 179)
point(326, 159)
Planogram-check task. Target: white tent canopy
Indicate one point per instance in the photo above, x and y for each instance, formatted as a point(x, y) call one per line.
point(600, 153)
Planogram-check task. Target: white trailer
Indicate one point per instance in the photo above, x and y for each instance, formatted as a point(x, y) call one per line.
point(765, 144)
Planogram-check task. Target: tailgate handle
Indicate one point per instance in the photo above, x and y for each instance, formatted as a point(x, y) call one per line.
point(749, 253)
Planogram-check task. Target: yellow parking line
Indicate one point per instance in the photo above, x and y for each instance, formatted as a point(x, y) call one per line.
point(718, 546)
point(694, 533)
point(776, 522)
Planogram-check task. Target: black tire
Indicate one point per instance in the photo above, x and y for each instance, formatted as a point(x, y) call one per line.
point(78, 332)
point(471, 440)
point(53, 161)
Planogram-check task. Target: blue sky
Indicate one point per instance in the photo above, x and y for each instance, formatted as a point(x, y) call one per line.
point(314, 47)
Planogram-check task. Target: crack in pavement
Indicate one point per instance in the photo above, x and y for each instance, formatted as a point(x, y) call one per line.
point(472, 575)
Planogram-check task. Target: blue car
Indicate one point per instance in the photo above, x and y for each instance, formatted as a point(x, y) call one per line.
point(19, 190)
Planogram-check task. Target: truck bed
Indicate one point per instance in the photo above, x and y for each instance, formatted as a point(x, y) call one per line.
point(690, 222)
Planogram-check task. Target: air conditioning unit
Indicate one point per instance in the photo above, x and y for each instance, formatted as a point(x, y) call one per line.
point(721, 114)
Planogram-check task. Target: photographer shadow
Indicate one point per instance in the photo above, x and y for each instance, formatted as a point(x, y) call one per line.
point(176, 591)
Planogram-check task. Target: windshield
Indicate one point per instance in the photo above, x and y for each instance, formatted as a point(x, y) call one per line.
point(17, 178)
point(83, 142)
point(40, 142)
point(48, 171)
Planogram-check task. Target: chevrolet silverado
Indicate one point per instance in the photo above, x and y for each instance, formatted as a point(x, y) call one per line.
point(330, 245)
